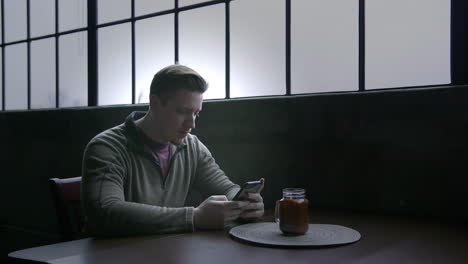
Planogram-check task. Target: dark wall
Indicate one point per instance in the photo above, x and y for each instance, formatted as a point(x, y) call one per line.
point(398, 152)
point(36, 146)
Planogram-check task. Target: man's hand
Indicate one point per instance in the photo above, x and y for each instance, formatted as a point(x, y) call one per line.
point(216, 211)
point(255, 207)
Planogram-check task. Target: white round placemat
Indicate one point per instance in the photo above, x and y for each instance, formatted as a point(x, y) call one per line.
point(319, 235)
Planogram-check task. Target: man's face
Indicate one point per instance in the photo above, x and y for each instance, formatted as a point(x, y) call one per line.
point(175, 117)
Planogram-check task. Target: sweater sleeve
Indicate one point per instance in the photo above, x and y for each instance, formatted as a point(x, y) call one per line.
point(107, 213)
point(210, 179)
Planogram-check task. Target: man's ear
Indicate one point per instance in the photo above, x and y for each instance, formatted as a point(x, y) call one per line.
point(154, 101)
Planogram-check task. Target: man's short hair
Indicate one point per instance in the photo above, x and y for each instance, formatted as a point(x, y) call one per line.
point(174, 77)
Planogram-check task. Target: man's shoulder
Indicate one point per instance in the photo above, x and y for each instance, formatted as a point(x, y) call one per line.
point(192, 141)
point(114, 135)
point(191, 138)
point(194, 144)
point(121, 132)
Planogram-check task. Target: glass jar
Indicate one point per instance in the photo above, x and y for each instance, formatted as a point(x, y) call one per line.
point(292, 212)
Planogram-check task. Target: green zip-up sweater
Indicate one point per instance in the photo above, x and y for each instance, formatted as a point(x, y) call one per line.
point(124, 192)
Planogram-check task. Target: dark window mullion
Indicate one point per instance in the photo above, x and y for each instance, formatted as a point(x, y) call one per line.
point(155, 14)
point(176, 31)
point(133, 53)
point(28, 36)
point(288, 47)
point(57, 66)
point(203, 4)
point(3, 55)
point(46, 36)
point(92, 54)
point(362, 45)
point(228, 50)
point(116, 22)
point(15, 42)
point(452, 42)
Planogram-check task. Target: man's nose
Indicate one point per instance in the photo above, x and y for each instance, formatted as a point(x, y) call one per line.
point(190, 122)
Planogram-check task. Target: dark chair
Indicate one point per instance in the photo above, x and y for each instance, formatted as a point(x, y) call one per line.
point(66, 197)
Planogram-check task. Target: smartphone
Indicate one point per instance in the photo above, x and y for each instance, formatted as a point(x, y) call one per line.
point(248, 187)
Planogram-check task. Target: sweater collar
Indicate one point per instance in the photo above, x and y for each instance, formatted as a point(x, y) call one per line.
point(137, 139)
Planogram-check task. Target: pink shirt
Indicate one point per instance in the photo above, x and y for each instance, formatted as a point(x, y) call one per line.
point(161, 153)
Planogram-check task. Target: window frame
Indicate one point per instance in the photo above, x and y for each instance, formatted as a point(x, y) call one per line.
point(458, 57)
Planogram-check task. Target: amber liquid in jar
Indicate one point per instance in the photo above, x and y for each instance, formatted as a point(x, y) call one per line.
point(293, 212)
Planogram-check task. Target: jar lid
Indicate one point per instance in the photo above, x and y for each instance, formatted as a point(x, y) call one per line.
point(294, 192)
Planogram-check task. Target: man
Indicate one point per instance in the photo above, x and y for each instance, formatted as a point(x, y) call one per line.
point(136, 176)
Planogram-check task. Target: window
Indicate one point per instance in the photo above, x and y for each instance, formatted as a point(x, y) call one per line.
point(324, 58)
point(112, 10)
point(43, 73)
point(50, 56)
point(413, 50)
point(44, 56)
point(42, 17)
point(115, 80)
point(144, 7)
point(16, 86)
point(154, 49)
point(15, 20)
point(72, 14)
point(202, 46)
point(73, 70)
point(258, 48)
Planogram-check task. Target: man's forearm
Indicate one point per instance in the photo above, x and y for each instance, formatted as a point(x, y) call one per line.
point(126, 218)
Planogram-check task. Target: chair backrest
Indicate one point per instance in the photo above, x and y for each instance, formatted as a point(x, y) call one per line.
point(66, 197)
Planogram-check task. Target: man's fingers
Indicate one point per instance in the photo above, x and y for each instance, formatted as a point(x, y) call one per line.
point(233, 213)
point(255, 197)
point(236, 204)
point(254, 206)
point(263, 184)
point(252, 214)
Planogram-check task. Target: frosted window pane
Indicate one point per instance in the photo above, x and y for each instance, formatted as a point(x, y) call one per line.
point(15, 20)
point(143, 7)
point(16, 73)
point(154, 49)
point(115, 65)
point(42, 17)
point(324, 46)
point(43, 73)
point(73, 14)
point(112, 10)
point(407, 43)
point(202, 46)
point(257, 48)
point(190, 2)
point(73, 70)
